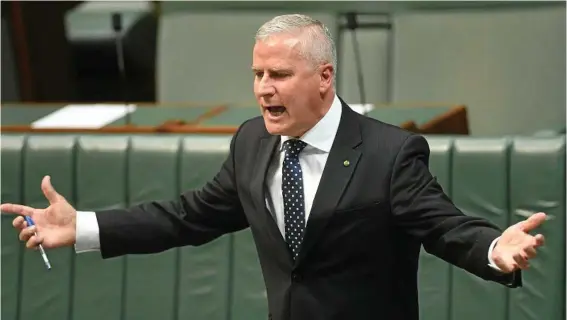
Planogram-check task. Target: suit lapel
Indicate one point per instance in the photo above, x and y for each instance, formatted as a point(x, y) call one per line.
point(341, 164)
point(268, 146)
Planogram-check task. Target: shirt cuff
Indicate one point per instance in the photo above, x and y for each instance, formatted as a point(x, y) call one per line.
point(87, 236)
point(490, 261)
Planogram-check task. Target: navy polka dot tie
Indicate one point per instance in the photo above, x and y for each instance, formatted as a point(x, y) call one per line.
point(292, 191)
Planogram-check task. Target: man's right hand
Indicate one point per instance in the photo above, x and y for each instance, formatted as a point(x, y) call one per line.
point(55, 225)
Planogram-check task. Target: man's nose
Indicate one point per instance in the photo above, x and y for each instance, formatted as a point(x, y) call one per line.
point(265, 88)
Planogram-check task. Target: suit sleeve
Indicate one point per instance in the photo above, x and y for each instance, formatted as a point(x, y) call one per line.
point(194, 218)
point(421, 208)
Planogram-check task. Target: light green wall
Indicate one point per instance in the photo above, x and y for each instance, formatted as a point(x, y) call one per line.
point(501, 63)
point(206, 57)
point(373, 44)
point(507, 66)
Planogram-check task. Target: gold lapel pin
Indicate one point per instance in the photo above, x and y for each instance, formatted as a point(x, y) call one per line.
point(346, 163)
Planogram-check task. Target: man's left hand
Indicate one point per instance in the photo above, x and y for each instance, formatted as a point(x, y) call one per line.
point(516, 246)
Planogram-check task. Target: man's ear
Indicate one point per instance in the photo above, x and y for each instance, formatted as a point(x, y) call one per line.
point(327, 73)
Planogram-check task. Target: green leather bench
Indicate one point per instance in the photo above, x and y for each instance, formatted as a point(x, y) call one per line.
point(537, 183)
point(434, 274)
point(501, 179)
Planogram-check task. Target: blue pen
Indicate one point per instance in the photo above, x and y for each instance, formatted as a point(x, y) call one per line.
point(43, 255)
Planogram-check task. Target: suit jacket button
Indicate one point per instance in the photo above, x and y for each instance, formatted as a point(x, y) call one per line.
point(295, 277)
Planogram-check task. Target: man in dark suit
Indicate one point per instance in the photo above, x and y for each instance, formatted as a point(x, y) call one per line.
point(338, 203)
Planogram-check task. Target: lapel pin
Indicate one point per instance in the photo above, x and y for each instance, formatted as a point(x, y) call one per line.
point(346, 163)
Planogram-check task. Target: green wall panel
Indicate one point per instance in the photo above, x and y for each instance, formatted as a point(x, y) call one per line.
point(481, 178)
point(204, 271)
point(101, 184)
point(249, 297)
point(12, 185)
point(434, 273)
point(46, 293)
point(538, 184)
point(151, 279)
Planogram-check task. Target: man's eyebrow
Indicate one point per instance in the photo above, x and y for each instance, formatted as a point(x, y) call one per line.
point(275, 70)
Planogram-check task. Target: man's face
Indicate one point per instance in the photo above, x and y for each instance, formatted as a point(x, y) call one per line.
point(288, 87)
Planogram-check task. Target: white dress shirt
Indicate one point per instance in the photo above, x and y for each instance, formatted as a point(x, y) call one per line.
point(312, 159)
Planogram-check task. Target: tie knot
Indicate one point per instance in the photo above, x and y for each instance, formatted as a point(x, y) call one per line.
point(294, 146)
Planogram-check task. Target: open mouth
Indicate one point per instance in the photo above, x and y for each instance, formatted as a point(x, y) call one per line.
point(275, 110)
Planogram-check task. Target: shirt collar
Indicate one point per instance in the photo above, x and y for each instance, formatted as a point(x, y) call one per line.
point(322, 135)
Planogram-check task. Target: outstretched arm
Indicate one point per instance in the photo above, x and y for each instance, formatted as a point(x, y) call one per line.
point(194, 218)
point(420, 207)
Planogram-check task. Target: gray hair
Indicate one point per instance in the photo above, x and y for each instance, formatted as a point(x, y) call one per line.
point(316, 42)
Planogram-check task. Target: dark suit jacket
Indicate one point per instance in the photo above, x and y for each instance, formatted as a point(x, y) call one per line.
point(359, 257)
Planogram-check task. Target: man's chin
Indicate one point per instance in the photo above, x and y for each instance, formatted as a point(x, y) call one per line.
point(276, 128)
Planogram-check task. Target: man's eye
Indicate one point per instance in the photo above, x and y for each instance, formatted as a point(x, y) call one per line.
point(259, 74)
